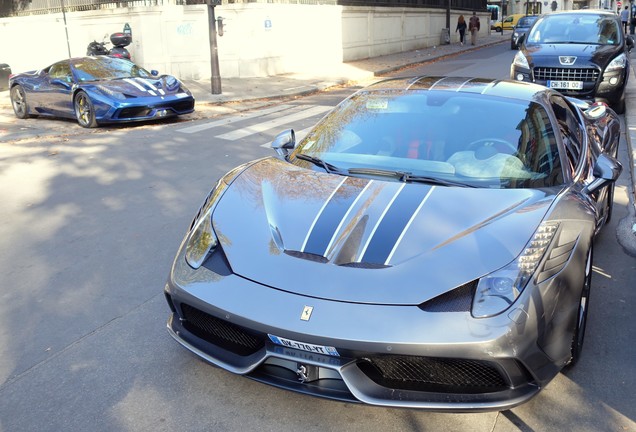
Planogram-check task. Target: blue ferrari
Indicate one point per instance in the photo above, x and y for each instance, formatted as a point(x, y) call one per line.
point(98, 90)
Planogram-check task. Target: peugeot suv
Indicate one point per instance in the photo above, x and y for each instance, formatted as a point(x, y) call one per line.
point(583, 54)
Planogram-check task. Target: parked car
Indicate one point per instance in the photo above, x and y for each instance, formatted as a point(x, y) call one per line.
point(508, 22)
point(583, 54)
point(395, 259)
point(98, 90)
point(5, 71)
point(522, 27)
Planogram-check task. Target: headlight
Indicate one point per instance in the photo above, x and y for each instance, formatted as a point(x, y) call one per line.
point(497, 291)
point(201, 241)
point(521, 61)
point(618, 63)
point(515, 35)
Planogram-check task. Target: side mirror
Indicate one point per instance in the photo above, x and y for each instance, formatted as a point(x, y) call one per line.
point(284, 142)
point(154, 72)
point(630, 43)
point(606, 171)
point(520, 39)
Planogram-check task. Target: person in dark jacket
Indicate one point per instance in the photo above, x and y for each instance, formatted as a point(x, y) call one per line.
point(461, 28)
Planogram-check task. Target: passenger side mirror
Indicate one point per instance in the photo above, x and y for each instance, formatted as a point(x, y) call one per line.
point(520, 39)
point(630, 43)
point(284, 142)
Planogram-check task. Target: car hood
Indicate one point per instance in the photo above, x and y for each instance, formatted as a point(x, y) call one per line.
point(586, 55)
point(142, 87)
point(368, 241)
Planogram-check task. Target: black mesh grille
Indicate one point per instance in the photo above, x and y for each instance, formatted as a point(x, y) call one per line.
point(566, 74)
point(307, 256)
point(434, 374)
point(458, 300)
point(222, 333)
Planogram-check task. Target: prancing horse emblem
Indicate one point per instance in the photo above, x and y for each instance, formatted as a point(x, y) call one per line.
point(306, 313)
point(567, 60)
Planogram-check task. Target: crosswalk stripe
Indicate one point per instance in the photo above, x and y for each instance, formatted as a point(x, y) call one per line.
point(230, 120)
point(243, 132)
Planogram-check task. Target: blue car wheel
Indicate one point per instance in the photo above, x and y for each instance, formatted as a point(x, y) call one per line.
point(84, 111)
point(19, 103)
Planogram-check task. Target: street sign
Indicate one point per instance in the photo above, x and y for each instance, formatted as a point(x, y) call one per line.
point(619, 4)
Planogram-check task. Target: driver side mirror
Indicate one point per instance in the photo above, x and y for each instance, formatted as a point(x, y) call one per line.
point(154, 72)
point(284, 142)
point(606, 171)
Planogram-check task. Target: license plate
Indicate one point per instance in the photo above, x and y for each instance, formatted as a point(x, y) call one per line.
point(320, 349)
point(566, 85)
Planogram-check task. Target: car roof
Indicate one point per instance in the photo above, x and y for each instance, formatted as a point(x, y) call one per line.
point(604, 12)
point(487, 86)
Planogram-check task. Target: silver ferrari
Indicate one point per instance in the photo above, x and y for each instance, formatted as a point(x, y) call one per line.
point(429, 244)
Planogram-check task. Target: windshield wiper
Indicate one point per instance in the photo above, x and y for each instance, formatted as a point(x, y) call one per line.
point(407, 177)
point(321, 163)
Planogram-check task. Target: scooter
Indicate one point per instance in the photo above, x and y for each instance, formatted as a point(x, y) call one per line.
point(119, 41)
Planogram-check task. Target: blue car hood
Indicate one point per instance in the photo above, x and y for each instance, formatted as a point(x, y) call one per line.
point(140, 87)
point(368, 241)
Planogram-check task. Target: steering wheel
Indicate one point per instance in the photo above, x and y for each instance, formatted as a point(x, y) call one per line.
point(498, 144)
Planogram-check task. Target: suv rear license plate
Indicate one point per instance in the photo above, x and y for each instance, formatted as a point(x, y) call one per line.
point(319, 349)
point(566, 85)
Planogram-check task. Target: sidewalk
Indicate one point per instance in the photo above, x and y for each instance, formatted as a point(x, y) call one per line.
point(356, 72)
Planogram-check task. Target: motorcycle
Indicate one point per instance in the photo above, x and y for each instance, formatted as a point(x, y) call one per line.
point(119, 41)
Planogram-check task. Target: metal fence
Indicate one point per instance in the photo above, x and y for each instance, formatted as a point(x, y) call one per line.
point(37, 7)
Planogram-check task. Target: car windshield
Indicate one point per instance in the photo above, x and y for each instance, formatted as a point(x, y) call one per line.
point(526, 21)
point(576, 28)
point(106, 68)
point(455, 137)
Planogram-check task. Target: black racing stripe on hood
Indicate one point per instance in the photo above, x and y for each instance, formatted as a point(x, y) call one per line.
point(332, 215)
point(395, 221)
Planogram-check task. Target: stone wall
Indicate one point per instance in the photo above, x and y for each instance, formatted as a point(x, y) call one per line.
point(259, 39)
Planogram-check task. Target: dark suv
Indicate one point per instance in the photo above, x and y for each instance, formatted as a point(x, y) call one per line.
point(583, 54)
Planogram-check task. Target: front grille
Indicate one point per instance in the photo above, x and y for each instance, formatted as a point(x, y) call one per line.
point(226, 335)
point(566, 74)
point(444, 375)
point(135, 112)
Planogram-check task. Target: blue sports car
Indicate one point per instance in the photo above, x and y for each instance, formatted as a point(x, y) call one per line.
point(98, 90)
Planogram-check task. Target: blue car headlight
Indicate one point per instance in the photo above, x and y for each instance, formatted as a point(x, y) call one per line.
point(619, 62)
point(497, 291)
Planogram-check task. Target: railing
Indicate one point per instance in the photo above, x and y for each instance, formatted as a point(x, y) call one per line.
point(38, 7)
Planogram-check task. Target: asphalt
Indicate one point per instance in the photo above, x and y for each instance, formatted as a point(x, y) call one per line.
point(244, 93)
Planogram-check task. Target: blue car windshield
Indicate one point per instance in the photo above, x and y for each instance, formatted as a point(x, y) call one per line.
point(575, 28)
point(461, 137)
point(105, 68)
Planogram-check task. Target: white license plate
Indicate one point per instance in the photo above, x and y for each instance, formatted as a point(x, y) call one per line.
point(320, 349)
point(566, 85)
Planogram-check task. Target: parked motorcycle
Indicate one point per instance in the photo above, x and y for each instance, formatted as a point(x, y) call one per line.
point(119, 41)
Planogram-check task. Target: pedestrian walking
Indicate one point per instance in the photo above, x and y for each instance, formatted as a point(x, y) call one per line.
point(625, 18)
point(461, 28)
point(473, 28)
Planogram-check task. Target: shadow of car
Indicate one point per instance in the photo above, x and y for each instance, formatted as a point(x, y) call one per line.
point(5, 71)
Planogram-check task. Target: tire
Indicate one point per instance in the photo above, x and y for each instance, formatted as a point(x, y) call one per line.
point(84, 110)
point(581, 320)
point(19, 102)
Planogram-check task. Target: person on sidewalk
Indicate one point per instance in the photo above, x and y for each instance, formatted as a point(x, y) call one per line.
point(625, 18)
point(461, 27)
point(473, 28)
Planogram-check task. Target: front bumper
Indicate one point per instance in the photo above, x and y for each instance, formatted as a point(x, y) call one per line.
point(399, 356)
point(609, 87)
